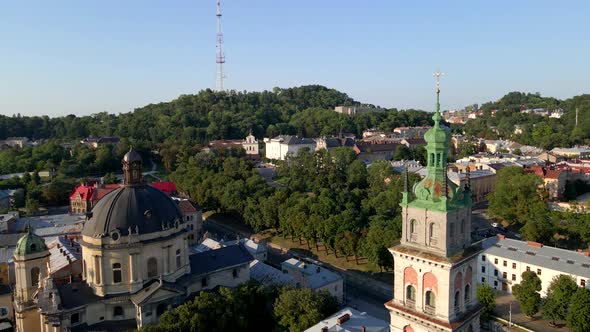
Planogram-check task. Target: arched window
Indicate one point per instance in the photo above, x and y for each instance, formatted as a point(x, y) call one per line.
point(457, 300)
point(467, 294)
point(117, 273)
point(35, 276)
point(413, 226)
point(178, 259)
point(152, 266)
point(430, 299)
point(410, 293)
point(432, 234)
point(33, 247)
point(118, 312)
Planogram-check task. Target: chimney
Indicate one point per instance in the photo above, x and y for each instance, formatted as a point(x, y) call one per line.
point(501, 237)
point(534, 244)
point(587, 254)
point(342, 319)
point(363, 329)
point(325, 329)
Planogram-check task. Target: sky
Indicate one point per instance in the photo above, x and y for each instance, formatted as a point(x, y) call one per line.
point(82, 57)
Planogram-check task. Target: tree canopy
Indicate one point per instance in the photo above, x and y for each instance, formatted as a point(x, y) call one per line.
point(527, 293)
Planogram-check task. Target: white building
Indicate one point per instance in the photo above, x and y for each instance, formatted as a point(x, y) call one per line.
point(504, 260)
point(312, 276)
point(575, 152)
point(250, 144)
point(350, 320)
point(279, 147)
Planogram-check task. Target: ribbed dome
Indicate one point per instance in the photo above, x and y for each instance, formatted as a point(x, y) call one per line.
point(132, 156)
point(140, 207)
point(30, 243)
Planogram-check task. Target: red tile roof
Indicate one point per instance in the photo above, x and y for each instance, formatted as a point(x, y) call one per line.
point(166, 186)
point(90, 192)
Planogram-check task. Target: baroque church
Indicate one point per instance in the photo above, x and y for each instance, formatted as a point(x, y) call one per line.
point(435, 263)
point(136, 264)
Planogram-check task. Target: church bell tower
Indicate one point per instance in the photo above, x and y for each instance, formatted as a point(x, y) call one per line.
point(435, 263)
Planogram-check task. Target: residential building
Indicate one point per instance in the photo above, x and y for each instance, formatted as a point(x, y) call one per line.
point(270, 276)
point(369, 153)
point(85, 196)
point(6, 308)
point(350, 320)
point(554, 179)
point(413, 142)
point(16, 142)
point(480, 182)
point(434, 277)
point(94, 142)
point(280, 147)
point(8, 222)
point(504, 260)
point(7, 198)
point(374, 132)
point(411, 132)
point(193, 215)
point(333, 142)
point(136, 264)
point(167, 187)
point(575, 152)
point(356, 109)
point(550, 157)
point(315, 277)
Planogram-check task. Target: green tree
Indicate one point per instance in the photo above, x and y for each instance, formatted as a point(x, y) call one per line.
point(559, 295)
point(527, 293)
point(486, 295)
point(298, 309)
point(516, 197)
point(32, 205)
point(578, 318)
point(110, 178)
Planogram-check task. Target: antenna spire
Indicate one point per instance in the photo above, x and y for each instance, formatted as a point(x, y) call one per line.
point(220, 56)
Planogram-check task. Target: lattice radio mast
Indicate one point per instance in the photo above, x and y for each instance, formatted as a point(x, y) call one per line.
point(220, 57)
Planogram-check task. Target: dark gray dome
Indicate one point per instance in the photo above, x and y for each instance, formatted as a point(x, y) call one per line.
point(141, 206)
point(132, 156)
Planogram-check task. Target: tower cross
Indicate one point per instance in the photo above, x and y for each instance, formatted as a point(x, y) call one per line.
point(437, 76)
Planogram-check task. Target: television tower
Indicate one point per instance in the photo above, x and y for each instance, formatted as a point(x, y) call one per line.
point(220, 57)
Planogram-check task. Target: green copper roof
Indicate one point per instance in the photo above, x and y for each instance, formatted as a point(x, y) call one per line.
point(436, 191)
point(30, 244)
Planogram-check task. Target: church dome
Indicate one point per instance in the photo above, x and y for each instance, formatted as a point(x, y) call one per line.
point(134, 207)
point(132, 156)
point(30, 243)
point(142, 208)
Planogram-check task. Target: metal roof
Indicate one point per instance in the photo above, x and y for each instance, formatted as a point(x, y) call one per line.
point(314, 275)
point(356, 322)
point(268, 275)
point(557, 259)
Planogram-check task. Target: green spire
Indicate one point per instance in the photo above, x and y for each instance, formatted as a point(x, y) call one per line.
point(435, 191)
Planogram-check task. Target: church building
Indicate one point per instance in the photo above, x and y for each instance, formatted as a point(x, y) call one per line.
point(435, 263)
point(136, 264)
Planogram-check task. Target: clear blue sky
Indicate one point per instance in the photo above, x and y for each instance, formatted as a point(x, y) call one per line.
point(82, 57)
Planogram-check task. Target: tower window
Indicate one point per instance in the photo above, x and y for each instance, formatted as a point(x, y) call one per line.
point(430, 299)
point(235, 273)
point(35, 276)
point(75, 318)
point(410, 293)
point(433, 231)
point(467, 294)
point(152, 266)
point(118, 312)
point(413, 226)
point(117, 276)
point(457, 300)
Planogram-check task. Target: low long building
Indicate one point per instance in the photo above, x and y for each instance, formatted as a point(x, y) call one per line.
point(279, 147)
point(312, 276)
point(503, 261)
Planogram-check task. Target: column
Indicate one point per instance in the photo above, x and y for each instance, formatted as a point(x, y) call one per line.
point(97, 270)
point(131, 268)
point(166, 256)
point(101, 271)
